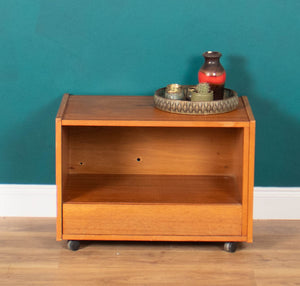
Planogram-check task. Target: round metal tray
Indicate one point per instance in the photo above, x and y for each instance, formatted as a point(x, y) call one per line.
point(230, 102)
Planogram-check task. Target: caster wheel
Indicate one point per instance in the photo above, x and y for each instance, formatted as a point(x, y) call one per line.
point(230, 246)
point(73, 245)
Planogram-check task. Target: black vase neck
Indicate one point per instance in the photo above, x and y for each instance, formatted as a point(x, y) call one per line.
point(212, 55)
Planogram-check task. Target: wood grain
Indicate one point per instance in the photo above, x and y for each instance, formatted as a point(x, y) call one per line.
point(61, 157)
point(151, 189)
point(31, 256)
point(251, 158)
point(149, 205)
point(152, 150)
point(158, 238)
point(63, 106)
point(251, 179)
point(152, 219)
point(245, 178)
point(248, 108)
point(117, 168)
point(87, 110)
point(59, 174)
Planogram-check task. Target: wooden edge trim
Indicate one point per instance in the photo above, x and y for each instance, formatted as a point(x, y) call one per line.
point(245, 184)
point(251, 180)
point(69, 122)
point(153, 237)
point(251, 168)
point(248, 108)
point(58, 167)
point(62, 106)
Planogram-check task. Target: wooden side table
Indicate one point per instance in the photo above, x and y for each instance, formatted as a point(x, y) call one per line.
point(128, 171)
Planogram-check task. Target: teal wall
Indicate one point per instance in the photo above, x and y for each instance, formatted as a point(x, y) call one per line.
point(133, 47)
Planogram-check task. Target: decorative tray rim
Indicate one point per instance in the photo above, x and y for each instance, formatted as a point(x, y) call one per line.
point(229, 103)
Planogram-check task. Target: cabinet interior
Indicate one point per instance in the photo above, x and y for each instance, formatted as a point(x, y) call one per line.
point(152, 164)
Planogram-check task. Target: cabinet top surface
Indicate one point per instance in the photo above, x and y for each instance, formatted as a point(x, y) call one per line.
point(86, 110)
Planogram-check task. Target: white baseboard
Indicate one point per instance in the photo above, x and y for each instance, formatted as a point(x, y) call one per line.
point(28, 200)
point(276, 203)
point(40, 201)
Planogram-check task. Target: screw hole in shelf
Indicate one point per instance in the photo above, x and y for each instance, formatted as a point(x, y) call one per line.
point(139, 159)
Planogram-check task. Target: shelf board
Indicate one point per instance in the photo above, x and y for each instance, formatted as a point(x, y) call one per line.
point(150, 189)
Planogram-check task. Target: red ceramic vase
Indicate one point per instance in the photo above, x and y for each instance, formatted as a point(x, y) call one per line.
point(213, 73)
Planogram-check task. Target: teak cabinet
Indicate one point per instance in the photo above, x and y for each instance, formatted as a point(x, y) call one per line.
point(128, 171)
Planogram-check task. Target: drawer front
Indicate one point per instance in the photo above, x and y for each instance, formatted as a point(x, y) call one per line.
point(151, 219)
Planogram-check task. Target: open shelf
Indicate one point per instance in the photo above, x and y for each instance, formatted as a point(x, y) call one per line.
point(119, 204)
point(158, 189)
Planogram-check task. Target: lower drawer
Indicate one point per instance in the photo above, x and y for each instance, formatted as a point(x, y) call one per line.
point(152, 219)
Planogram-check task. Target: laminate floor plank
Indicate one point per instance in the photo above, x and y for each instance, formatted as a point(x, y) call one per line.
point(29, 255)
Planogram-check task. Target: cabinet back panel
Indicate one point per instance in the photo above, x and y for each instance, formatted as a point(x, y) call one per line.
point(154, 150)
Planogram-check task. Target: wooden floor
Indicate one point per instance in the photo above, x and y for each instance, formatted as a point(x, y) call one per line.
point(29, 255)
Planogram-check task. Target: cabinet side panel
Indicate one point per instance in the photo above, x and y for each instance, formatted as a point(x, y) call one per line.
point(62, 160)
point(60, 165)
point(63, 106)
point(58, 152)
point(251, 180)
point(250, 175)
point(238, 162)
point(245, 178)
point(248, 109)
